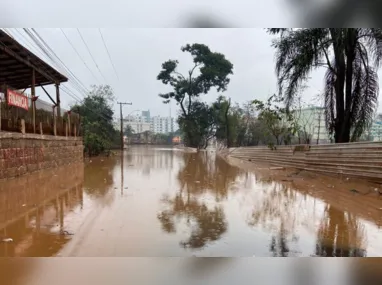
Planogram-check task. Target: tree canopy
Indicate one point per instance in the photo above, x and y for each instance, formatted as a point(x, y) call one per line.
point(97, 120)
point(351, 57)
point(210, 70)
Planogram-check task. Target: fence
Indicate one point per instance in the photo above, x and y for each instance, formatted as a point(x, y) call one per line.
point(46, 119)
point(361, 160)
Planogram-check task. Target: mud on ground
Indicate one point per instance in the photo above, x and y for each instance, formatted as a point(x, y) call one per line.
point(357, 196)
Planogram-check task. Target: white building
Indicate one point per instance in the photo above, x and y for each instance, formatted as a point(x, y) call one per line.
point(138, 127)
point(144, 122)
point(312, 121)
point(162, 125)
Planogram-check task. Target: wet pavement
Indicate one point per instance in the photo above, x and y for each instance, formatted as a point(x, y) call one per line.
point(161, 202)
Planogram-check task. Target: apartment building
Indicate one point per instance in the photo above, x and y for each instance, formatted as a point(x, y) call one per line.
point(162, 125)
point(145, 122)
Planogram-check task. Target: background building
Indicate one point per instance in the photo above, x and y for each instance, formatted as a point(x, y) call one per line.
point(312, 121)
point(376, 128)
point(156, 124)
point(162, 125)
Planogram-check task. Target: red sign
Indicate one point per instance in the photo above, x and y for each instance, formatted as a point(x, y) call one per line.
point(17, 99)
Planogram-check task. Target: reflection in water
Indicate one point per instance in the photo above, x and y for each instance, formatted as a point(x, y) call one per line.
point(148, 158)
point(340, 234)
point(282, 211)
point(291, 219)
point(35, 209)
point(202, 173)
point(207, 224)
point(276, 212)
point(190, 204)
point(99, 176)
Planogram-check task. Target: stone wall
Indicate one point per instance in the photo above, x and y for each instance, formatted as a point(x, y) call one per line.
point(360, 160)
point(21, 154)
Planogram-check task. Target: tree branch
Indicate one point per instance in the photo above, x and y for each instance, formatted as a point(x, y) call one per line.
point(190, 87)
point(327, 57)
point(181, 75)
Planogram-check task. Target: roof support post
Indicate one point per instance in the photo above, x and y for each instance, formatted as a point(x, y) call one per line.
point(33, 91)
point(58, 101)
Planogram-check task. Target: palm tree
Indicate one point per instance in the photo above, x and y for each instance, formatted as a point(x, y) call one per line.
point(351, 57)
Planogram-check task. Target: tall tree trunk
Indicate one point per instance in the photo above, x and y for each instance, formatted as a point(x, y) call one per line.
point(351, 40)
point(340, 67)
point(229, 143)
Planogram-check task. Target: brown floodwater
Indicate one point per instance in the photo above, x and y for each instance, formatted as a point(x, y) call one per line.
point(162, 202)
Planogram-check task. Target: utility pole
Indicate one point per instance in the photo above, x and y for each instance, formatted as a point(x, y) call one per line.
point(120, 106)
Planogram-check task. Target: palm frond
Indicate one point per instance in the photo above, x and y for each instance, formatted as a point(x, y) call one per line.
point(373, 41)
point(298, 53)
point(364, 94)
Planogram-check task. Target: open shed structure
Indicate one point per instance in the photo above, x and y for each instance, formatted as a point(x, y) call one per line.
point(20, 69)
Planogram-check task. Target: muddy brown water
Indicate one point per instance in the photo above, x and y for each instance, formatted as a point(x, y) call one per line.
point(161, 202)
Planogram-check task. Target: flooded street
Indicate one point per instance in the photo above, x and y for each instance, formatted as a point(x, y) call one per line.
point(162, 202)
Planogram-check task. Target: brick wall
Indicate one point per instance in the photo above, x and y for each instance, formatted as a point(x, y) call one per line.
point(22, 154)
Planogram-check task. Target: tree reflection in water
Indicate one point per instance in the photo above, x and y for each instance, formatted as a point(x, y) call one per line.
point(275, 211)
point(340, 235)
point(210, 223)
point(280, 210)
point(202, 174)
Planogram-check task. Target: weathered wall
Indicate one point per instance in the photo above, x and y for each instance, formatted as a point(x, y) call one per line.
point(21, 154)
point(362, 160)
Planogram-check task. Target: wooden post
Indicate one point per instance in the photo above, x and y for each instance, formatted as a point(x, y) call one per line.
point(66, 129)
point(69, 126)
point(33, 101)
point(23, 126)
point(1, 106)
point(5, 100)
point(54, 122)
point(41, 132)
point(58, 102)
point(75, 131)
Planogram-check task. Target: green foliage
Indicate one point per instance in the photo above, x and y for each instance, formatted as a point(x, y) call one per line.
point(278, 121)
point(210, 69)
point(198, 126)
point(351, 57)
point(97, 120)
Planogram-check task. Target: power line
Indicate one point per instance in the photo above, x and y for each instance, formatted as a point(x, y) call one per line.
point(38, 44)
point(69, 92)
point(79, 55)
point(77, 85)
point(111, 61)
point(70, 73)
point(29, 42)
point(83, 40)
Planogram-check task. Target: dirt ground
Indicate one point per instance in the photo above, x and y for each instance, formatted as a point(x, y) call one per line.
point(356, 196)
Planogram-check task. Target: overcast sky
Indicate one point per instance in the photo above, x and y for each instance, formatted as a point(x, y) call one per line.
point(138, 54)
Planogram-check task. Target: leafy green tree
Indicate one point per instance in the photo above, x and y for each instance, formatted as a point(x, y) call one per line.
point(201, 129)
point(278, 121)
point(210, 70)
point(97, 120)
point(351, 57)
